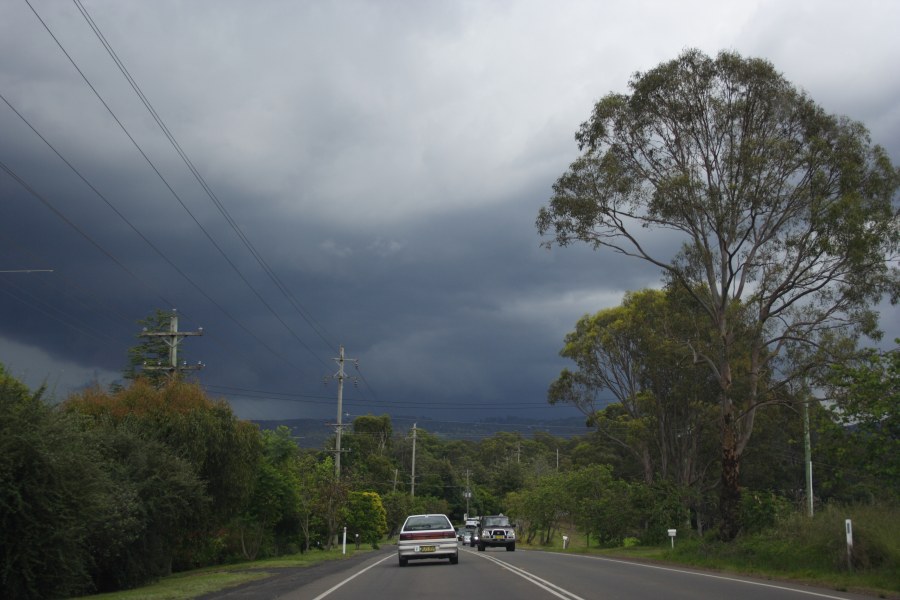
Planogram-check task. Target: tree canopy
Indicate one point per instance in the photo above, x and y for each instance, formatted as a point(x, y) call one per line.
point(110, 491)
point(784, 215)
point(865, 399)
point(639, 386)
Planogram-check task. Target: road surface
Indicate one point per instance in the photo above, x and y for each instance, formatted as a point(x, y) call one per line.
point(496, 574)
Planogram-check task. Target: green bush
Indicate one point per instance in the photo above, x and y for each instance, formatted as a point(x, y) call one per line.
point(797, 544)
point(54, 494)
point(762, 510)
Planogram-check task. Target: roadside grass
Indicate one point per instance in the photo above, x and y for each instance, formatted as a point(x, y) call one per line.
point(190, 584)
point(800, 549)
point(811, 551)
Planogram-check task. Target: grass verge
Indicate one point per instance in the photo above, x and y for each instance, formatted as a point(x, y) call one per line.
point(190, 584)
point(800, 549)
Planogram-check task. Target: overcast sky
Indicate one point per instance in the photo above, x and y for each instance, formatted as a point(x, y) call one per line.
point(373, 171)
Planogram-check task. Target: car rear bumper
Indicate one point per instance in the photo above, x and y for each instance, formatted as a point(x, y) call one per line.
point(420, 550)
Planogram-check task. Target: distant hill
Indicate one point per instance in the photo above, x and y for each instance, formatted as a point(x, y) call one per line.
point(314, 433)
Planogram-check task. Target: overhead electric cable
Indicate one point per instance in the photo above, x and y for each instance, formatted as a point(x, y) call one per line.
point(52, 312)
point(66, 220)
point(71, 224)
point(187, 161)
point(107, 308)
point(292, 396)
point(169, 187)
point(159, 252)
point(304, 313)
point(316, 327)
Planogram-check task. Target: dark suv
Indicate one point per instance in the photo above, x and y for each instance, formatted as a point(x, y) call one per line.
point(496, 530)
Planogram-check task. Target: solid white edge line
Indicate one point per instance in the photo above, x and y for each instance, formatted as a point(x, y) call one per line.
point(534, 579)
point(352, 577)
point(710, 575)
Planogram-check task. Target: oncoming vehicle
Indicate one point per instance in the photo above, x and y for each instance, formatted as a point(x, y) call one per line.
point(427, 536)
point(470, 535)
point(496, 530)
point(466, 537)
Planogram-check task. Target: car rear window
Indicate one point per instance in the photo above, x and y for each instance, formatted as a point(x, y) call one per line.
point(426, 523)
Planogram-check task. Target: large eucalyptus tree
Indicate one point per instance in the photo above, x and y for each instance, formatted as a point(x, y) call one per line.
point(785, 217)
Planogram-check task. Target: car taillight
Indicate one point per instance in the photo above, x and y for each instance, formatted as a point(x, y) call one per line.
point(427, 535)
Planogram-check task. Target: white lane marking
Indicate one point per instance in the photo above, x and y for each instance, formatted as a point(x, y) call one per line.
point(711, 576)
point(541, 583)
point(354, 576)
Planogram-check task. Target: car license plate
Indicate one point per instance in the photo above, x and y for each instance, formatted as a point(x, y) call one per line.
point(499, 537)
point(426, 548)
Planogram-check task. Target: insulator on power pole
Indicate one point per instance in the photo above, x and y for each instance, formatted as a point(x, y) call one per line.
point(172, 338)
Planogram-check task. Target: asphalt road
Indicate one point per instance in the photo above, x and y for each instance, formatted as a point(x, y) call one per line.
point(496, 574)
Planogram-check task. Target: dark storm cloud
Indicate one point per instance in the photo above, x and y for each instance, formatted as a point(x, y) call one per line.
point(385, 160)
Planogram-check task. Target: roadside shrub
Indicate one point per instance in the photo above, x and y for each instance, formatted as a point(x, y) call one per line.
point(663, 507)
point(53, 490)
point(762, 510)
point(798, 544)
point(876, 536)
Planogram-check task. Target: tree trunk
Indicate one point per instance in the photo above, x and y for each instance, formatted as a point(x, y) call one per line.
point(647, 461)
point(730, 494)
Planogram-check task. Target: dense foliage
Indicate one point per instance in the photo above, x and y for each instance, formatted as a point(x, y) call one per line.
point(775, 218)
point(113, 490)
point(58, 502)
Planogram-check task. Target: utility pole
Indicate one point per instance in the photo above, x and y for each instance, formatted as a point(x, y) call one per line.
point(172, 338)
point(807, 450)
point(412, 479)
point(340, 375)
point(468, 493)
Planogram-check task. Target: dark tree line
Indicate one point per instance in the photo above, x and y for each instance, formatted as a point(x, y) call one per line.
point(112, 490)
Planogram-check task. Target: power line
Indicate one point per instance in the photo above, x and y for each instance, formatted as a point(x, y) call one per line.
point(66, 220)
point(124, 219)
point(168, 186)
point(203, 184)
point(56, 314)
point(451, 405)
point(304, 313)
point(187, 161)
